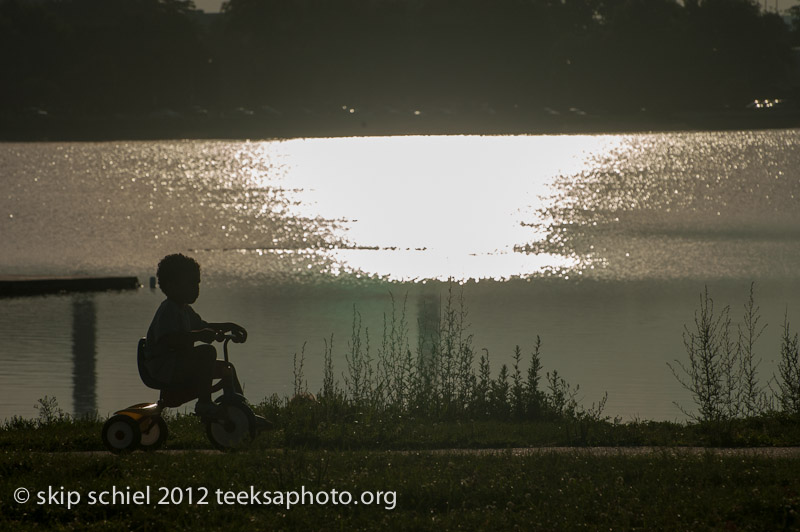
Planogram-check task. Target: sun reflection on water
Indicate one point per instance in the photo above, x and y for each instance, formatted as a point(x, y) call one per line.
point(413, 208)
point(663, 205)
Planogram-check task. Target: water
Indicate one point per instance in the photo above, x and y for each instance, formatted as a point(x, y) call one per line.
point(600, 244)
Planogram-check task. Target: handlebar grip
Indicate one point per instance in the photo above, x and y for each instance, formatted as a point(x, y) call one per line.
point(235, 338)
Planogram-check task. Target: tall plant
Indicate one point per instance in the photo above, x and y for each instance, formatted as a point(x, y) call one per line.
point(440, 379)
point(751, 398)
point(789, 371)
point(711, 374)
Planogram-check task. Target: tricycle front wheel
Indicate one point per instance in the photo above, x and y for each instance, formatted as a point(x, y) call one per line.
point(232, 430)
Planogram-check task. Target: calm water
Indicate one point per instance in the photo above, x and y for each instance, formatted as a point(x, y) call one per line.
point(600, 244)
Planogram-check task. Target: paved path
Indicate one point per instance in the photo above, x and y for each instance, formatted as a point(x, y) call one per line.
point(772, 452)
point(768, 452)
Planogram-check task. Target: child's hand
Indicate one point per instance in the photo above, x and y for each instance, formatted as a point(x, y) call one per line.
point(239, 333)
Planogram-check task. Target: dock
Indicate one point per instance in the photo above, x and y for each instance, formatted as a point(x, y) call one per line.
point(24, 285)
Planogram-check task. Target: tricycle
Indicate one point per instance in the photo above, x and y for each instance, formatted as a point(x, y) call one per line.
point(142, 425)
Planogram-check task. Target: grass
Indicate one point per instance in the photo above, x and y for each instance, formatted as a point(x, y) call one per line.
point(310, 425)
point(428, 491)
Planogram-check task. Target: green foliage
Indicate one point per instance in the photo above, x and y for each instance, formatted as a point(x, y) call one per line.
point(90, 57)
point(101, 56)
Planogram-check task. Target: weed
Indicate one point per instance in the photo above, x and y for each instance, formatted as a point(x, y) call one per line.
point(561, 399)
point(712, 374)
point(50, 412)
point(752, 399)
point(534, 398)
point(789, 371)
point(300, 384)
point(722, 375)
point(439, 381)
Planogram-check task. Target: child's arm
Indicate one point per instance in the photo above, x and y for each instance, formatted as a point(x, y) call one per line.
point(219, 328)
point(237, 330)
point(184, 340)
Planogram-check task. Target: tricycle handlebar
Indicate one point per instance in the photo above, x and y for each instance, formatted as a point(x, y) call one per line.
point(225, 338)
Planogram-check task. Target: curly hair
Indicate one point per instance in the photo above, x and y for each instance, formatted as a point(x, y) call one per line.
point(175, 267)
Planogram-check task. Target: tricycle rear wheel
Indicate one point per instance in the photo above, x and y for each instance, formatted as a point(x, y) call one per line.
point(154, 433)
point(121, 434)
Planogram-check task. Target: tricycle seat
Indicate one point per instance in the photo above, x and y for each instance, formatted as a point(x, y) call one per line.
point(170, 395)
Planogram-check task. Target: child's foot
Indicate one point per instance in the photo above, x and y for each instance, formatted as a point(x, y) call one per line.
point(208, 409)
point(262, 423)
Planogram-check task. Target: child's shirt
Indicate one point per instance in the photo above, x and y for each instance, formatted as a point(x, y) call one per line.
point(171, 317)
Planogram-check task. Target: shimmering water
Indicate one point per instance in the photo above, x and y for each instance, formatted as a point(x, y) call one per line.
point(600, 244)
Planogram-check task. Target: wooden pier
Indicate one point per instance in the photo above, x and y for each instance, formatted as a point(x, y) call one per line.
point(22, 285)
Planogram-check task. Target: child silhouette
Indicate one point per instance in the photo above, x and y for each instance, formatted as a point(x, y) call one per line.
point(172, 356)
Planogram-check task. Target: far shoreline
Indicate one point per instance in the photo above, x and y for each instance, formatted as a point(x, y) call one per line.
point(343, 123)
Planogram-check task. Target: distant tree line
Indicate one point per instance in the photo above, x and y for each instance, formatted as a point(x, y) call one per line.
point(130, 56)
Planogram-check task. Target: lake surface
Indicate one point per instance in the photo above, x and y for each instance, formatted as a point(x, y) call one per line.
point(600, 244)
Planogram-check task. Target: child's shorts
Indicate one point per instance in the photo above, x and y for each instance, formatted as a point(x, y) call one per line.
point(185, 369)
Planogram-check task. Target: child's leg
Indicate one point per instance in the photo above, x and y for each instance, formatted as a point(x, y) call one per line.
point(196, 370)
point(226, 372)
point(206, 357)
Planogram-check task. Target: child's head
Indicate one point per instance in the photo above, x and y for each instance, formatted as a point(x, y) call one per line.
point(179, 278)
